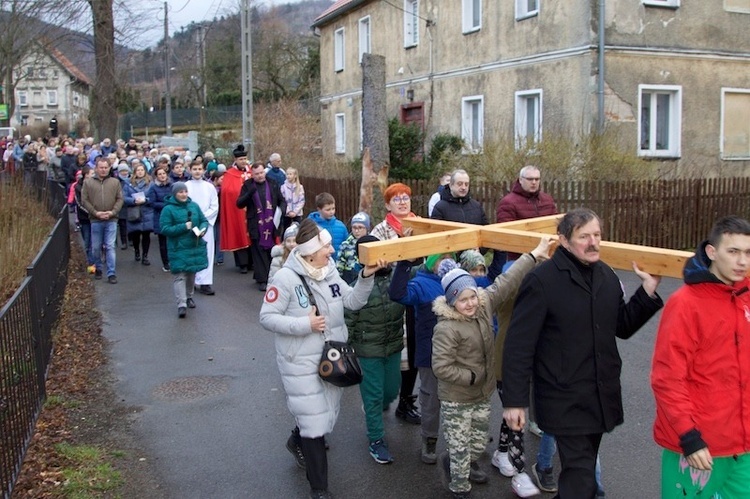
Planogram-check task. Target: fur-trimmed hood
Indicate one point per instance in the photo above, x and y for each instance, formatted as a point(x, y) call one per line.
point(445, 311)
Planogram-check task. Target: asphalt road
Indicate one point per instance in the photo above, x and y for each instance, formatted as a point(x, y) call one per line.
point(209, 409)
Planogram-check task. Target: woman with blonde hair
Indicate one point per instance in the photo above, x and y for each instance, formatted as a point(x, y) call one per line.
point(140, 212)
point(294, 195)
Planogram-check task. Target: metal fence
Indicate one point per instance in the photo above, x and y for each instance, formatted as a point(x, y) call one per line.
point(664, 213)
point(26, 324)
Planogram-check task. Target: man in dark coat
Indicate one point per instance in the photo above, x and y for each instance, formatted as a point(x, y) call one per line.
point(265, 204)
point(456, 204)
point(562, 334)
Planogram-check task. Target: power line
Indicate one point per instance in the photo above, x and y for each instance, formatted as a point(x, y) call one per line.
point(429, 22)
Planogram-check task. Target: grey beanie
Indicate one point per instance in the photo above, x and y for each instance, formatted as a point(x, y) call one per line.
point(291, 231)
point(361, 218)
point(456, 281)
point(178, 186)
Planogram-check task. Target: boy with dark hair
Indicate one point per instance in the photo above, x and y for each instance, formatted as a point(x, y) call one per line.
point(700, 367)
point(325, 217)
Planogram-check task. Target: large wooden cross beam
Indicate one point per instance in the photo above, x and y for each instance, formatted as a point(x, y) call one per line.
point(439, 236)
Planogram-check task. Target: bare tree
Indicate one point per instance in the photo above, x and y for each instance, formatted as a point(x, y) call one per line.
point(103, 99)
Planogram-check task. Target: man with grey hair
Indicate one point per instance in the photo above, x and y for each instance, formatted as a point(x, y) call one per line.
point(562, 337)
point(274, 171)
point(456, 204)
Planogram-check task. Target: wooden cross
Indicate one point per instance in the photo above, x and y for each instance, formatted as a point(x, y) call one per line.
point(439, 236)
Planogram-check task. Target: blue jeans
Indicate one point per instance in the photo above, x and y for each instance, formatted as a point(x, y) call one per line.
point(104, 232)
point(547, 449)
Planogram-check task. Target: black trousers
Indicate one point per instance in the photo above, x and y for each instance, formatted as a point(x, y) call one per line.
point(314, 450)
point(578, 458)
point(163, 250)
point(261, 262)
point(242, 258)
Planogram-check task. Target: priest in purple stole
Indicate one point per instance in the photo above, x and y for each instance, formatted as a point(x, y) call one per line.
point(265, 205)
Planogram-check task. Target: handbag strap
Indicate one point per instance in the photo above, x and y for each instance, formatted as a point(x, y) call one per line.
point(311, 298)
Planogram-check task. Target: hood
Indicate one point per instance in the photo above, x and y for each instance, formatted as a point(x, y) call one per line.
point(696, 268)
point(277, 250)
point(445, 311)
point(517, 189)
point(318, 219)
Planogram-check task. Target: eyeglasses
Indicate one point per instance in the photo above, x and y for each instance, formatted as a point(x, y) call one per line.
point(532, 179)
point(401, 199)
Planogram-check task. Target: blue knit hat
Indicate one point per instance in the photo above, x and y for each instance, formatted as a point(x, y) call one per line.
point(454, 282)
point(361, 218)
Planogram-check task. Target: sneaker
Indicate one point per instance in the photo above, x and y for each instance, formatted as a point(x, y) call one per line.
point(534, 428)
point(190, 303)
point(407, 411)
point(293, 446)
point(206, 289)
point(429, 455)
point(181, 312)
point(379, 452)
point(97, 274)
point(501, 461)
point(476, 474)
point(545, 478)
point(165, 268)
point(112, 279)
point(523, 486)
point(320, 494)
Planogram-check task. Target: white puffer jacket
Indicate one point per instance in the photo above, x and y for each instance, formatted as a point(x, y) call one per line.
point(313, 402)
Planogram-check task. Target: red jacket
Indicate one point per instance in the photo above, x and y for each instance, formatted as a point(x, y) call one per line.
point(701, 366)
point(520, 205)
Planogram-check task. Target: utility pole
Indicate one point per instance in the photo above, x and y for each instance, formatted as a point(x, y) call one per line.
point(167, 70)
point(247, 82)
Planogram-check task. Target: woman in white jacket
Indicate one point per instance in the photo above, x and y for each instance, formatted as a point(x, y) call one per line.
point(301, 330)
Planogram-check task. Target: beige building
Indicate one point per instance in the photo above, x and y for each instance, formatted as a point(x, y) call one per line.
point(48, 84)
point(674, 80)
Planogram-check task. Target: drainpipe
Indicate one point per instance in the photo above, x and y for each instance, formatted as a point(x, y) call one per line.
point(600, 79)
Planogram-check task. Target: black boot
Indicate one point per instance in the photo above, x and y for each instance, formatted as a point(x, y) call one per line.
point(293, 446)
point(316, 463)
point(145, 259)
point(407, 411)
point(137, 255)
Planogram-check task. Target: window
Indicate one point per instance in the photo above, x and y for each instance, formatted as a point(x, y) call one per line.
point(526, 8)
point(338, 50)
point(662, 3)
point(742, 6)
point(51, 97)
point(659, 123)
point(472, 15)
point(76, 99)
point(735, 126)
point(340, 132)
point(36, 98)
point(364, 37)
point(528, 118)
point(411, 23)
point(30, 72)
point(472, 123)
point(23, 98)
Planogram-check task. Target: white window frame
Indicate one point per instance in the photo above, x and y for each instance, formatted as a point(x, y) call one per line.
point(52, 97)
point(365, 37)
point(411, 23)
point(523, 97)
point(471, 9)
point(339, 133)
point(672, 4)
point(472, 123)
point(725, 91)
point(674, 120)
point(339, 49)
point(524, 11)
point(23, 98)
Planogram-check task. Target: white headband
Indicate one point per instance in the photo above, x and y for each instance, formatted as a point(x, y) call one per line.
point(309, 247)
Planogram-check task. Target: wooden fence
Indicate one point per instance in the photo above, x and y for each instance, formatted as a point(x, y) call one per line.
point(673, 214)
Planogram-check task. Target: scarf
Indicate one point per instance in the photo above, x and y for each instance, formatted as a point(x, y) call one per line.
point(266, 228)
point(395, 222)
point(312, 272)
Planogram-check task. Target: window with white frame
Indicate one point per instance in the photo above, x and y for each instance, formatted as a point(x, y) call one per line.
point(23, 98)
point(338, 50)
point(411, 23)
point(659, 120)
point(51, 97)
point(36, 98)
point(528, 118)
point(472, 123)
point(662, 3)
point(735, 125)
point(340, 133)
point(364, 37)
point(472, 16)
point(742, 6)
point(526, 8)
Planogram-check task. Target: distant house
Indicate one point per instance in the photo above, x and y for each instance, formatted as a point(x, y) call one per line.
point(673, 83)
point(48, 84)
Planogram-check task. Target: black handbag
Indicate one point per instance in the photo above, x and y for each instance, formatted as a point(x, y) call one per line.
point(339, 364)
point(134, 213)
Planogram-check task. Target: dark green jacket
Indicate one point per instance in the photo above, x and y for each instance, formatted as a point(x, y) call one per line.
point(187, 252)
point(377, 329)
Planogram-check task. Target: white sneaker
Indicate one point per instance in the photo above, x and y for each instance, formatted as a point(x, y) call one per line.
point(500, 461)
point(523, 486)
